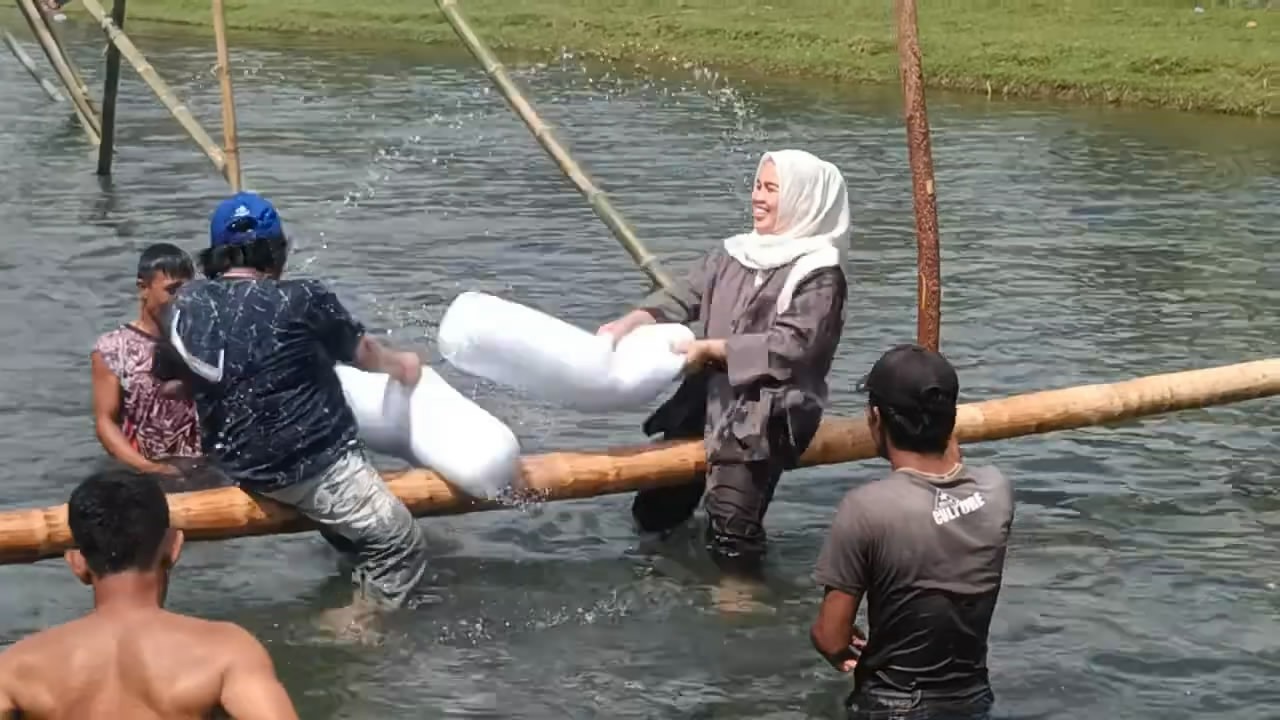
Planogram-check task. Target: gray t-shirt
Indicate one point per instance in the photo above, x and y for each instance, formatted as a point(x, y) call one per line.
point(927, 554)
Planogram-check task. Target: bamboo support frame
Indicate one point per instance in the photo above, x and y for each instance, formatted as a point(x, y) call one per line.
point(79, 99)
point(612, 219)
point(52, 27)
point(110, 89)
point(180, 111)
point(25, 60)
point(34, 534)
point(230, 145)
point(929, 274)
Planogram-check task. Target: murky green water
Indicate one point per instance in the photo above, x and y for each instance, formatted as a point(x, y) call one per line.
point(1080, 245)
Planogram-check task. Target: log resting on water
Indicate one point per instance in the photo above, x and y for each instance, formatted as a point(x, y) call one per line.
point(35, 534)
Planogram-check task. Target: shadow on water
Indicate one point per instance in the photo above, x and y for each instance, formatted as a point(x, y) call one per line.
point(1079, 245)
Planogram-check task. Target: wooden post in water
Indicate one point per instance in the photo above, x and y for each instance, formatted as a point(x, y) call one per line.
point(180, 112)
point(28, 535)
point(25, 60)
point(110, 86)
point(648, 263)
point(929, 274)
point(230, 146)
point(79, 99)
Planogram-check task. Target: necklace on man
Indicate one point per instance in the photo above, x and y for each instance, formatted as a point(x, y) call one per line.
point(948, 475)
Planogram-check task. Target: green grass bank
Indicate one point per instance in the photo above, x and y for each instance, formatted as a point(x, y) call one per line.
point(1151, 52)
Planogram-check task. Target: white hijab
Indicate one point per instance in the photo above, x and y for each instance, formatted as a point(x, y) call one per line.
point(813, 213)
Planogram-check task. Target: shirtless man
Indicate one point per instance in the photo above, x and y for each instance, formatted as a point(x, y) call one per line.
point(130, 658)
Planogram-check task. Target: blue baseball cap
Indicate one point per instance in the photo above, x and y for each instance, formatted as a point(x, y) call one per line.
point(242, 218)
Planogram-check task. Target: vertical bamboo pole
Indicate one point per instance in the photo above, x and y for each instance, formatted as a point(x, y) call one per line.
point(929, 275)
point(180, 112)
point(109, 89)
point(25, 60)
point(230, 146)
point(542, 133)
point(79, 100)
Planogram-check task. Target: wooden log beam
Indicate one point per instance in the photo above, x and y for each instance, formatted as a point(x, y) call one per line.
point(35, 534)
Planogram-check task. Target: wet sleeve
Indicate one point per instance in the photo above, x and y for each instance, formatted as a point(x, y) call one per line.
point(331, 324)
point(166, 363)
point(843, 564)
point(809, 327)
point(683, 302)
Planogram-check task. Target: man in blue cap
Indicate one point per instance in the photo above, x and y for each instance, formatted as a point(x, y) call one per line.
point(258, 353)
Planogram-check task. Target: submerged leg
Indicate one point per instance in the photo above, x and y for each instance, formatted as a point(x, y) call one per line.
point(362, 517)
point(738, 496)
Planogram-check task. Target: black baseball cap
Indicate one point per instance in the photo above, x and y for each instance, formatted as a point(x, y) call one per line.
point(911, 380)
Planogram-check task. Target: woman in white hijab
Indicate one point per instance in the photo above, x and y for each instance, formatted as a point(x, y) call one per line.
point(770, 304)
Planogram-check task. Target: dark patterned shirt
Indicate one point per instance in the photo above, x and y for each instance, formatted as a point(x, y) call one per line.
point(260, 354)
point(157, 426)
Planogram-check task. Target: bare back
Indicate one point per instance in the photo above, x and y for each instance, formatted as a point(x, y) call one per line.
point(141, 664)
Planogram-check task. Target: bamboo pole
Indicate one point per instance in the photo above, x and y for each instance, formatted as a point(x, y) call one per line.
point(230, 146)
point(920, 152)
point(110, 87)
point(34, 534)
point(648, 263)
point(180, 112)
point(79, 99)
point(25, 60)
point(52, 27)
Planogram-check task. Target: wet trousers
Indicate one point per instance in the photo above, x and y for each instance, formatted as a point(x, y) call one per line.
point(736, 499)
point(973, 703)
point(360, 517)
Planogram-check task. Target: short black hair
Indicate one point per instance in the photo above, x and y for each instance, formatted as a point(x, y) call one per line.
point(165, 258)
point(927, 431)
point(119, 519)
point(915, 391)
point(266, 255)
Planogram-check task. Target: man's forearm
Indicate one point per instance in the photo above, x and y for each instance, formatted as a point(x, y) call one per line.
point(117, 445)
point(843, 655)
point(836, 652)
point(373, 356)
point(369, 354)
point(830, 648)
point(401, 366)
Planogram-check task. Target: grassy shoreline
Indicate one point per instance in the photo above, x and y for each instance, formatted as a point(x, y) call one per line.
point(1150, 52)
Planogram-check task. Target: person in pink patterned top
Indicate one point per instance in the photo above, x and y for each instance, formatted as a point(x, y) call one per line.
point(141, 421)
